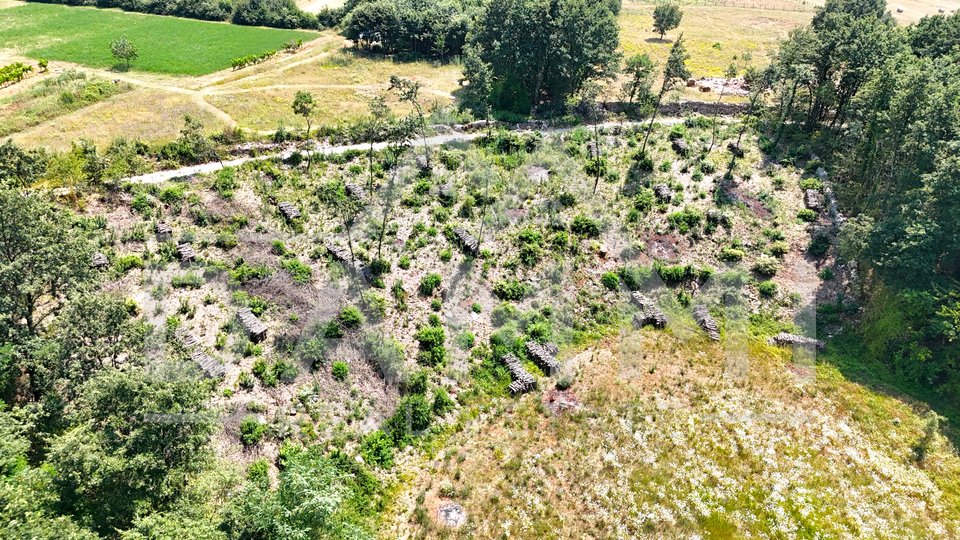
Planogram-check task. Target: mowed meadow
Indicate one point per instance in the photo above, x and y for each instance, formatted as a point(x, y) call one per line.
point(167, 45)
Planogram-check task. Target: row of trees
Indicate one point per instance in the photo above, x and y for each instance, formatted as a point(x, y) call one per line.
point(276, 13)
point(882, 105)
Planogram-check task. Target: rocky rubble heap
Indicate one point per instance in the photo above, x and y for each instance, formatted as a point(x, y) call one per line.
point(544, 356)
point(523, 381)
point(649, 313)
point(706, 321)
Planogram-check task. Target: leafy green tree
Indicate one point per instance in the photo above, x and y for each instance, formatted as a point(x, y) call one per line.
point(540, 52)
point(477, 95)
point(304, 105)
point(315, 498)
point(172, 524)
point(44, 256)
point(137, 436)
point(674, 72)
point(94, 332)
point(28, 503)
point(124, 50)
point(666, 17)
point(20, 167)
point(639, 70)
point(192, 146)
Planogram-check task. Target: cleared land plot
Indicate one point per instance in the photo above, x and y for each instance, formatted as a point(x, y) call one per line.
point(147, 114)
point(715, 36)
point(345, 67)
point(167, 44)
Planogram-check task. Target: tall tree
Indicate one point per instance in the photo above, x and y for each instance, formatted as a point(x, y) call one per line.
point(44, 256)
point(639, 70)
point(729, 75)
point(409, 92)
point(138, 436)
point(20, 167)
point(674, 72)
point(477, 95)
point(666, 17)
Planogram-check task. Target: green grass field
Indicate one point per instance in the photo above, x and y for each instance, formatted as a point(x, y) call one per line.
point(167, 45)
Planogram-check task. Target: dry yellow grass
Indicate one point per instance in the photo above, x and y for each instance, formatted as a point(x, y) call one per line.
point(666, 445)
point(715, 36)
point(147, 114)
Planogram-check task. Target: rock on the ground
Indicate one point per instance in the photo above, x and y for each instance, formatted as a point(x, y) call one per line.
point(452, 515)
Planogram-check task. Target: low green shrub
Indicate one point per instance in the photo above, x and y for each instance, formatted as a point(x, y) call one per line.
point(510, 289)
point(339, 370)
point(429, 283)
point(766, 265)
point(768, 289)
point(252, 430)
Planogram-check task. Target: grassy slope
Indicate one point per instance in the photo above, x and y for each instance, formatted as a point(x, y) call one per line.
point(167, 44)
point(667, 445)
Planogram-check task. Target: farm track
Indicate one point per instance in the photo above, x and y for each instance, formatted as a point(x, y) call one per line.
point(436, 140)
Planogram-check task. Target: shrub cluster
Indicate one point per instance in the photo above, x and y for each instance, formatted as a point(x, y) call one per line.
point(251, 59)
point(14, 72)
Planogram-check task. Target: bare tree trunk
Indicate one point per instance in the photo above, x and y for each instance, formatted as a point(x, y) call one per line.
point(653, 117)
point(716, 113)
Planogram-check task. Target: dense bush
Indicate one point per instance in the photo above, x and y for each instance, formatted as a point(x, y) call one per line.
point(610, 280)
point(431, 339)
point(635, 277)
point(766, 265)
point(429, 283)
point(251, 59)
point(14, 72)
point(585, 226)
point(767, 289)
point(510, 289)
point(679, 273)
point(252, 430)
point(686, 220)
point(819, 245)
point(339, 370)
point(731, 254)
point(299, 271)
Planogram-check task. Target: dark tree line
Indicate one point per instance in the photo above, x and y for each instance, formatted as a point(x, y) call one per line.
point(881, 104)
point(275, 13)
point(431, 28)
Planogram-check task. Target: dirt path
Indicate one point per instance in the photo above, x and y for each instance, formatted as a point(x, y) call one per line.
point(437, 140)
